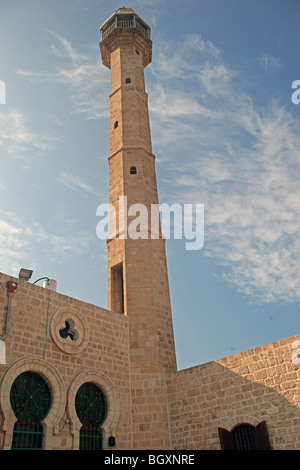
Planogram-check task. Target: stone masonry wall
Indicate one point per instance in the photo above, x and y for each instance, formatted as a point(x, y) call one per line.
point(261, 384)
point(99, 355)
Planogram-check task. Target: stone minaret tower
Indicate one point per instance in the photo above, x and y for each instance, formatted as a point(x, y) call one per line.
point(137, 271)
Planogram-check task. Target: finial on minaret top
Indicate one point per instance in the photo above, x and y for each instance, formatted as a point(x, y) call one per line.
point(125, 22)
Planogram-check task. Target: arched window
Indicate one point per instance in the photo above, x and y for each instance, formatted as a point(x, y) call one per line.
point(116, 124)
point(30, 399)
point(245, 437)
point(133, 170)
point(91, 408)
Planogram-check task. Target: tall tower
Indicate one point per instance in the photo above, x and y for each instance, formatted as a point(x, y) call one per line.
point(138, 284)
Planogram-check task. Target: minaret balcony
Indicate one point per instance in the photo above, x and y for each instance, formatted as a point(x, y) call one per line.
point(128, 23)
point(124, 18)
point(122, 21)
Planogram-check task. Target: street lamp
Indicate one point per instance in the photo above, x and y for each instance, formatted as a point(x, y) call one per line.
point(25, 274)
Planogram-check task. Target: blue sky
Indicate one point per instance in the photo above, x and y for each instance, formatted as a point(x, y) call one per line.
point(225, 134)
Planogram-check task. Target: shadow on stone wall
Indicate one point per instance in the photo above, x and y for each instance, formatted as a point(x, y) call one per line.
point(250, 387)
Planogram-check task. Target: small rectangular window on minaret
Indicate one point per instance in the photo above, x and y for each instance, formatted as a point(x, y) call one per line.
point(117, 288)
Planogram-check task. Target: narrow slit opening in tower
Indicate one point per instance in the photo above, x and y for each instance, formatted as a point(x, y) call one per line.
point(117, 279)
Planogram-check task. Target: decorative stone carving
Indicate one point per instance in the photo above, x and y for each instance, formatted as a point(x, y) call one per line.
point(69, 330)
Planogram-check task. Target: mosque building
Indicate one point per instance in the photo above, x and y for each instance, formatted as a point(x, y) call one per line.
point(77, 376)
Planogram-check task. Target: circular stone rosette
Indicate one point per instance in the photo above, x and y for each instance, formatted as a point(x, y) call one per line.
point(69, 330)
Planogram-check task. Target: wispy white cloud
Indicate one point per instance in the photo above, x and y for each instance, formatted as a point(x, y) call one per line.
point(82, 74)
point(187, 79)
point(242, 161)
point(75, 183)
point(252, 201)
point(28, 243)
point(215, 77)
point(20, 141)
point(170, 103)
point(177, 61)
point(221, 149)
point(198, 44)
point(269, 62)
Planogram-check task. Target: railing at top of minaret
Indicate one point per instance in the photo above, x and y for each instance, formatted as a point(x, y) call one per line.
point(124, 24)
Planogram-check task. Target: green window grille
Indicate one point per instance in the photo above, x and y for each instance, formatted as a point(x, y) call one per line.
point(27, 435)
point(30, 399)
point(91, 409)
point(244, 437)
point(90, 438)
